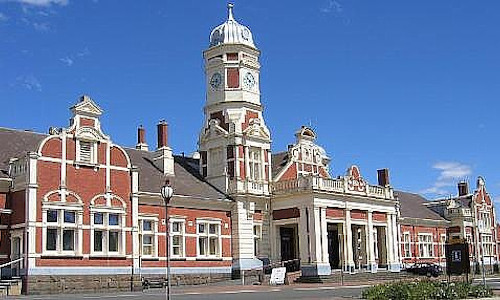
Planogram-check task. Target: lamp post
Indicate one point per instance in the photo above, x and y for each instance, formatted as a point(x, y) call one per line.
point(166, 193)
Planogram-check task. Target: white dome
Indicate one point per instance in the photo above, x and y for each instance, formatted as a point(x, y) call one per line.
point(231, 32)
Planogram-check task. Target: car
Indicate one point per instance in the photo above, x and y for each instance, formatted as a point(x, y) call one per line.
point(428, 269)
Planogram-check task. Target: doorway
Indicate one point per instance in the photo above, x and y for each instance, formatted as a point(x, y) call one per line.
point(334, 246)
point(289, 251)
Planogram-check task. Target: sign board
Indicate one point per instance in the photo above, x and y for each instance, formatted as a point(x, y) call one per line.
point(457, 258)
point(278, 276)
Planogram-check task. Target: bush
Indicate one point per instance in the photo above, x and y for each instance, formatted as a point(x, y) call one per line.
point(426, 289)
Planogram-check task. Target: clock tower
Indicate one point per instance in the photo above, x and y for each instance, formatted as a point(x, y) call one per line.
point(234, 142)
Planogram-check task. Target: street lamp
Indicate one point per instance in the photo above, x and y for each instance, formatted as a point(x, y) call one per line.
point(166, 193)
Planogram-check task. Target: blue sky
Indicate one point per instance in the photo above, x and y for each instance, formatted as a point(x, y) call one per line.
point(409, 85)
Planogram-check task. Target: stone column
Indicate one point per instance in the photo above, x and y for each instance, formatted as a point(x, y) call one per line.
point(348, 230)
point(242, 239)
point(310, 238)
point(372, 264)
point(324, 236)
point(389, 242)
point(30, 212)
point(396, 260)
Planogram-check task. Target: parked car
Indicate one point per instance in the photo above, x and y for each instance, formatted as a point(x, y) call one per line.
point(428, 269)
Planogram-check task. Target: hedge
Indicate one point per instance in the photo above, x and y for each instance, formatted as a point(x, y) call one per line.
point(426, 289)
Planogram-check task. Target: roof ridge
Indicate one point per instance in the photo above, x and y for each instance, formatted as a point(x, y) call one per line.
point(23, 131)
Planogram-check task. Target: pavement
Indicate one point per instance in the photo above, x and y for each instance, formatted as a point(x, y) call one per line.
point(283, 292)
point(234, 290)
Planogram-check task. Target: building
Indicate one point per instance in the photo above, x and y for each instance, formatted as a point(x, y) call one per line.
point(79, 212)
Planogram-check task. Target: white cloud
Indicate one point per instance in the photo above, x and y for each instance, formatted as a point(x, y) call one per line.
point(68, 61)
point(3, 17)
point(30, 82)
point(42, 2)
point(332, 6)
point(43, 26)
point(449, 174)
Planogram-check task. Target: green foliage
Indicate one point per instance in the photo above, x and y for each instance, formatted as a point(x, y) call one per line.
point(426, 289)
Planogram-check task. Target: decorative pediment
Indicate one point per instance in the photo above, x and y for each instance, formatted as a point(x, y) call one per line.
point(355, 182)
point(255, 129)
point(213, 130)
point(87, 107)
point(90, 134)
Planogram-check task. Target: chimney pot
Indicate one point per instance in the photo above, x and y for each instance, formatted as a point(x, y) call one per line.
point(141, 139)
point(162, 134)
point(383, 177)
point(463, 188)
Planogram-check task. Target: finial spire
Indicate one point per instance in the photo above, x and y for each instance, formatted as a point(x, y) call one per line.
point(230, 11)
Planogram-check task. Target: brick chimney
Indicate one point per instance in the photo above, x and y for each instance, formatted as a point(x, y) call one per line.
point(141, 139)
point(383, 177)
point(463, 188)
point(164, 155)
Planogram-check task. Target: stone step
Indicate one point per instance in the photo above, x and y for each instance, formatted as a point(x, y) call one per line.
point(11, 287)
point(357, 277)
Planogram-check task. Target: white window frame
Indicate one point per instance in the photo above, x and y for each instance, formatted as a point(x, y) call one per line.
point(93, 151)
point(257, 238)
point(181, 234)
point(255, 164)
point(487, 240)
point(208, 236)
point(106, 228)
point(424, 244)
point(442, 241)
point(407, 245)
point(153, 233)
point(60, 226)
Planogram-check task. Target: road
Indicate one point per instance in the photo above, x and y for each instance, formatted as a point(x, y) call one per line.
point(224, 293)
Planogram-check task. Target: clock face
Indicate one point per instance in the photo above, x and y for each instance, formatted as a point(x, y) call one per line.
point(249, 80)
point(216, 81)
point(245, 34)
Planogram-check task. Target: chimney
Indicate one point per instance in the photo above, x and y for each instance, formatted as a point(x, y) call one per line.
point(162, 134)
point(463, 188)
point(383, 177)
point(163, 154)
point(141, 139)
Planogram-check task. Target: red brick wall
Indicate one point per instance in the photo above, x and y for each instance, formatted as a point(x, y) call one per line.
point(87, 122)
point(414, 231)
point(337, 213)
point(52, 148)
point(17, 204)
point(358, 214)
point(378, 216)
point(190, 216)
point(233, 77)
point(249, 115)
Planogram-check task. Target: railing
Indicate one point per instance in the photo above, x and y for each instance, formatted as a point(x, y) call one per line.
point(337, 185)
point(10, 263)
point(459, 212)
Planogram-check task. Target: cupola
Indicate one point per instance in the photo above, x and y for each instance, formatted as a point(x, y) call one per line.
point(231, 32)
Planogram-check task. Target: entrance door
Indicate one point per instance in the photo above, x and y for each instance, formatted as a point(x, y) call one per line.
point(334, 247)
point(288, 246)
point(287, 243)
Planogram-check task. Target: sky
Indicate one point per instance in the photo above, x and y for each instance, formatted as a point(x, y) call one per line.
point(412, 86)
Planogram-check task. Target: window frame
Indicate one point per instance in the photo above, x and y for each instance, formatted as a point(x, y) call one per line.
point(153, 233)
point(207, 235)
point(106, 230)
point(407, 245)
point(61, 226)
point(423, 244)
point(181, 234)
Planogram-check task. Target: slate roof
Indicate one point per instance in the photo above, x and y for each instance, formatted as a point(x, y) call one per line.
point(187, 180)
point(412, 206)
point(15, 143)
point(278, 161)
